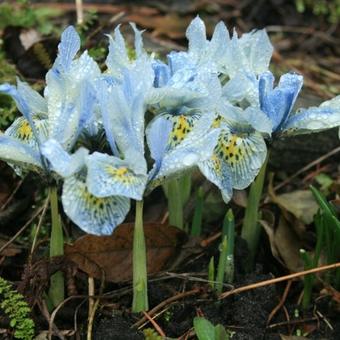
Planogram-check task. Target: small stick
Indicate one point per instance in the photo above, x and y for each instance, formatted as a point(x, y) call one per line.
point(278, 279)
point(79, 11)
point(281, 303)
point(43, 213)
point(91, 290)
point(9, 199)
point(155, 324)
point(164, 303)
point(22, 229)
point(292, 322)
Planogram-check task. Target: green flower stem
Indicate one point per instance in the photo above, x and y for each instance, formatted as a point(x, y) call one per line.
point(251, 229)
point(140, 281)
point(222, 262)
point(175, 203)
point(307, 280)
point(229, 231)
point(196, 227)
point(56, 291)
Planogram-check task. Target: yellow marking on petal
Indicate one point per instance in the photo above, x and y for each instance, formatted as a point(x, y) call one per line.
point(230, 148)
point(122, 174)
point(217, 122)
point(24, 131)
point(93, 201)
point(182, 125)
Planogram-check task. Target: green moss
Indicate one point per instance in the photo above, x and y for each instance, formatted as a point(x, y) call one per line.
point(16, 308)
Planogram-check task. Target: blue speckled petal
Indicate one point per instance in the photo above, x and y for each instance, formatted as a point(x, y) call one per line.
point(61, 162)
point(244, 152)
point(195, 147)
point(111, 176)
point(218, 172)
point(314, 119)
point(19, 154)
point(98, 216)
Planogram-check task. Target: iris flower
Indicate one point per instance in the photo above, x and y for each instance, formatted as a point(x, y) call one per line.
point(62, 113)
point(98, 187)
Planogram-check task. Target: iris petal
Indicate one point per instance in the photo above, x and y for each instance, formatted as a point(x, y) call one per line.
point(94, 215)
point(109, 175)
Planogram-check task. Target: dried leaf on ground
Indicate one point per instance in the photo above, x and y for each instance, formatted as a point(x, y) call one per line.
point(10, 250)
point(112, 255)
point(300, 203)
point(284, 242)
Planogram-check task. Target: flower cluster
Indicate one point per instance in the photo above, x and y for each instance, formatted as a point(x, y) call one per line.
point(211, 107)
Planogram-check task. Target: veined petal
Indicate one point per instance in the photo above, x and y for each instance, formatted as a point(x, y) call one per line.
point(111, 176)
point(98, 216)
point(123, 108)
point(19, 154)
point(71, 99)
point(162, 73)
point(243, 152)
point(157, 136)
point(314, 119)
point(196, 36)
point(63, 163)
point(218, 172)
point(68, 48)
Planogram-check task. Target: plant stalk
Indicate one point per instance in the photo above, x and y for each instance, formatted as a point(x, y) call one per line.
point(175, 204)
point(140, 283)
point(56, 291)
point(251, 229)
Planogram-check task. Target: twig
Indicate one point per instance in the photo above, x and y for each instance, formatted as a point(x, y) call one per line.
point(164, 303)
point(307, 167)
point(9, 199)
point(278, 279)
point(45, 206)
point(79, 11)
point(22, 229)
point(91, 290)
point(281, 303)
point(292, 322)
point(155, 324)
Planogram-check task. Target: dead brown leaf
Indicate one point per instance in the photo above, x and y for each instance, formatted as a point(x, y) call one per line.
point(284, 242)
point(112, 255)
point(300, 203)
point(10, 250)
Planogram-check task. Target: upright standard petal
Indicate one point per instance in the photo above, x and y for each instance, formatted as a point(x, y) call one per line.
point(277, 103)
point(111, 176)
point(71, 99)
point(123, 107)
point(68, 48)
point(94, 215)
